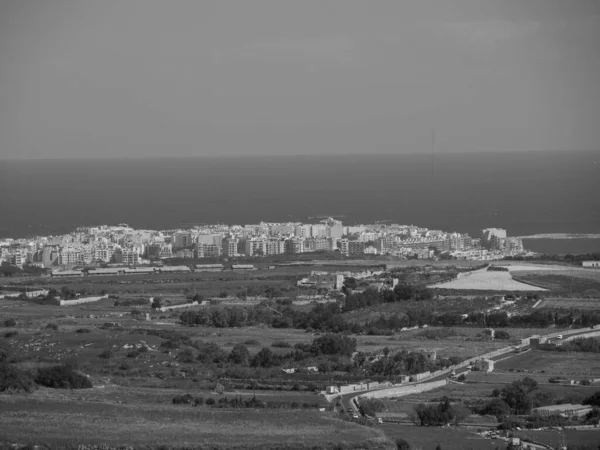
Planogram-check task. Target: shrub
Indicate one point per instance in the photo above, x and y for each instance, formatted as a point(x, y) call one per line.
point(462, 377)
point(251, 342)
point(14, 380)
point(52, 326)
point(210, 401)
point(124, 366)
point(83, 330)
point(185, 356)
point(10, 323)
point(10, 334)
point(501, 334)
point(585, 382)
point(186, 399)
point(169, 344)
point(106, 354)
point(198, 401)
point(62, 377)
point(281, 344)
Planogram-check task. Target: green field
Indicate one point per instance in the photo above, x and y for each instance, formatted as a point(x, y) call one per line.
point(574, 364)
point(450, 438)
point(68, 423)
point(573, 438)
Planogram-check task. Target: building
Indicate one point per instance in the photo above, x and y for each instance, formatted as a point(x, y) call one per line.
point(274, 247)
point(175, 269)
point(294, 245)
point(181, 239)
point(209, 267)
point(242, 267)
point(66, 273)
point(130, 257)
point(566, 410)
point(230, 247)
point(592, 264)
point(255, 247)
point(493, 238)
point(356, 248)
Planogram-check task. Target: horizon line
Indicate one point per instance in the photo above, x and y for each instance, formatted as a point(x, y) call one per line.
point(293, 155)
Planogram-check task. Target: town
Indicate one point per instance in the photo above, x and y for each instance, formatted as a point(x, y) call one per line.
point(98, 246)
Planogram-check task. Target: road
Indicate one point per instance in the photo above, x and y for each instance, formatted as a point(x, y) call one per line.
point(348, 405)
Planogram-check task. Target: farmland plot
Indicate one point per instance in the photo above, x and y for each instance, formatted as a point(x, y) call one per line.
point(484, 280)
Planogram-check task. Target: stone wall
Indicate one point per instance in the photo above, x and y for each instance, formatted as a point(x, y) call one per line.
point(81, 301)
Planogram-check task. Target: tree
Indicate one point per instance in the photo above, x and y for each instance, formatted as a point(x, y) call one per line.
point(239, 355)
point(402, 444)
point(264, 358)
point(496, 407)
point(156, 303)
point(371, 406)
point(185, 356)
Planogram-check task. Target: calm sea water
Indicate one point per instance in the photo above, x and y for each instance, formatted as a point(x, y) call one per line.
point(526, 193)
point(563, 246)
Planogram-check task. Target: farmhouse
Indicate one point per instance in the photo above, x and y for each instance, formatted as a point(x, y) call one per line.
point(242, 267)
point(66, 273)
point(175, 269)
point(107, 271)
point(209, 267)
point(566, 410)
point(594, 264)
point(139, 270)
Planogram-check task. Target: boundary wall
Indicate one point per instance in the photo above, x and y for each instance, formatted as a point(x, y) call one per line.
point(81, 301)
point(405, 390)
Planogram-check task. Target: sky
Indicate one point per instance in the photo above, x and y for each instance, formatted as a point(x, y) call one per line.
point(156, 78)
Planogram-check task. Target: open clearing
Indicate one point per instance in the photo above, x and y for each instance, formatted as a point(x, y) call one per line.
point(551, 437)
point(428, 437)
point(176, 425)
point(555, 363)
point(485, 280)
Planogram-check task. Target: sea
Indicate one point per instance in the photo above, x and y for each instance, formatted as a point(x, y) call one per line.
point(526, 193)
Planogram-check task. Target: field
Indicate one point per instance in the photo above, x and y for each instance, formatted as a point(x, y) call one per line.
point(181, 426)
point(556, 363)
point(572, 438)
point(427, 438)
point(482, 280)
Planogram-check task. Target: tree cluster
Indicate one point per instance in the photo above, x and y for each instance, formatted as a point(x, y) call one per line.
point(441, 414)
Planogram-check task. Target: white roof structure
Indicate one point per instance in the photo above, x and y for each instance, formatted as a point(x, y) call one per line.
point(175, 269)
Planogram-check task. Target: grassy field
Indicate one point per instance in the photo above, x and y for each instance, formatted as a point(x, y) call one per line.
point(565, 304)
point(554, 363)
point(427, 438)
point(68, 423)
point(552, 438)
point(487, 280)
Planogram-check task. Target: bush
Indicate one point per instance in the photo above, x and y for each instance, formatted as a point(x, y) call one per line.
point(62, 377)
point(186, 399)
point(185, 356)
point(10, 334)
point(585, 382)
point(52, 326)
point(14, 380)
point(10, 323)
point(251, 342)
point(198, 401)
point(82, 330)
point(106, 354)
point(210, 401)
point(501, 334)
point(281, 344)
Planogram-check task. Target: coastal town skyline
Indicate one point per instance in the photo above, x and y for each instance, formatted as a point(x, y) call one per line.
point(122, 244)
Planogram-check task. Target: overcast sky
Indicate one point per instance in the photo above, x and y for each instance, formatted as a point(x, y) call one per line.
point(106, 78)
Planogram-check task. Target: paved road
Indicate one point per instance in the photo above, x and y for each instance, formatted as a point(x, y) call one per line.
point(346, 399)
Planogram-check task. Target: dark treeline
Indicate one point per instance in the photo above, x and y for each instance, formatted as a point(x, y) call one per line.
point(573, 259)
